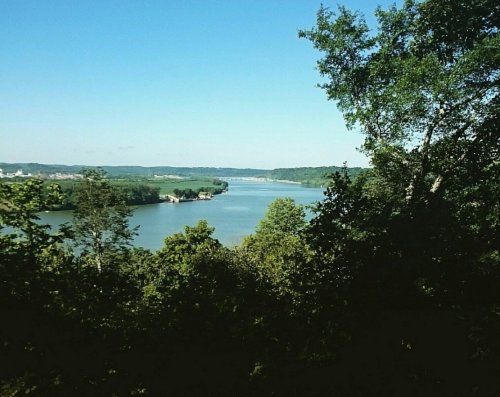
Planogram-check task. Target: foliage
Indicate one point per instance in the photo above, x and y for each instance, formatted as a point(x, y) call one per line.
point(186, 193)
point(283, 216)
point(20, 204)
point(134, 171)
point(391, 289)
point(306, 175)
point(142, 191)
point(27, 249)
point(135, 193)
point(101, 218)
point(303, 307)
point(428, 106)
point(313, 176)
point(189, 193)
point(426, 101)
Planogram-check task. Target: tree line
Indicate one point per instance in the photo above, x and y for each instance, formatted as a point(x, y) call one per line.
point(134, 171)
point(390, 289)
point(135, 193)
point(308, 175)
point(190, 193)
point(313, 176)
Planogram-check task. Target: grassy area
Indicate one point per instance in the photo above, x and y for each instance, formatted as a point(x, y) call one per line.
point(138, 191)
point(167, 186)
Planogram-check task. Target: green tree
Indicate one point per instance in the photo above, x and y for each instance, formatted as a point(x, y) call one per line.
point(276, 245)
point(420, 229)
point(101, 218)
point(298, 292)
point(19, 205)
point(28, 249)
point(424, 89)
point(283, 216)
point(427, 98)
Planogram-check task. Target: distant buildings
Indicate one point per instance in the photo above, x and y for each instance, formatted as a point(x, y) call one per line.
point(245, 178)
point(56, 176)
point(17, 174)
point(169, 176)
point(59, 176)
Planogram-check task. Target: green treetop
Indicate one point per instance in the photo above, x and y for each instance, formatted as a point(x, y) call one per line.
point(283, 216)
point(101, 217)
point(424, 87)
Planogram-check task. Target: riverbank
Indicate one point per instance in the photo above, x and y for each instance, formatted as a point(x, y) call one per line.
point(201, 196)
point(286, 181)
point(145, 191)
point(234, 214)
point(257, 179)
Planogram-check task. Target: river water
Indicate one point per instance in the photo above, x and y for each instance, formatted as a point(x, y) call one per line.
point(234, 214)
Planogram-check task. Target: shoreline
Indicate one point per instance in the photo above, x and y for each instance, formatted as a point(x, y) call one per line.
point(257, 179)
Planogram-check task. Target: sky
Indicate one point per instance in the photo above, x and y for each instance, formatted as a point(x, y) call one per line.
point(192, 83)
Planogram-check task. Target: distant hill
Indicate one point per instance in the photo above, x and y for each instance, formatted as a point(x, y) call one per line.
point(126, 171)
point(183, 171)
point(309, 175)
point(306, 175)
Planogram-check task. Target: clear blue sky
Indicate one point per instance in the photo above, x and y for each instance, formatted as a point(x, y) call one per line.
point(180, 83)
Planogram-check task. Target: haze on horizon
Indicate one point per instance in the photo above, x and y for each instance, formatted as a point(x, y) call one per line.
point(186, 84)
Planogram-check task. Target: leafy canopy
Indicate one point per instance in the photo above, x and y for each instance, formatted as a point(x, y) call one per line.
point(424, 88)
point(283, 216)
point(101, 219)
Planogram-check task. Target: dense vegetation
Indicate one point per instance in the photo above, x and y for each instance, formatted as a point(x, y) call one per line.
point(134, 171)
point(316, 176)
point(188, 193)
point(141, 191)
point(135, 193)
point(391, 289)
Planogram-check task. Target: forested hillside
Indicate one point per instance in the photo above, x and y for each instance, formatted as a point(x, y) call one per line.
point(307, 175)
point(137, 191)
point(134, 171)
point(316, 176)
point(392, 289)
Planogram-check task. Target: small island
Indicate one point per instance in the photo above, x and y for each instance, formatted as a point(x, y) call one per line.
point(202, 193)
point(137, 189)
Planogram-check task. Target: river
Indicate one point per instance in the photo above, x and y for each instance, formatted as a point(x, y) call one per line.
point(234, 214)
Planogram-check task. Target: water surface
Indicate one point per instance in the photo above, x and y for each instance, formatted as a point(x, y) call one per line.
point(234, 214)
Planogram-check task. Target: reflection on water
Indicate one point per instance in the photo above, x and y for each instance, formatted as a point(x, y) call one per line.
point(234, 214)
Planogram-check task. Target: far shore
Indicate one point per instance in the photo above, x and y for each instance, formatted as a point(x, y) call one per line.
point(256, 179)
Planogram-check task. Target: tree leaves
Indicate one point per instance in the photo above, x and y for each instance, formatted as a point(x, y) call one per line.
point(101, 219)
